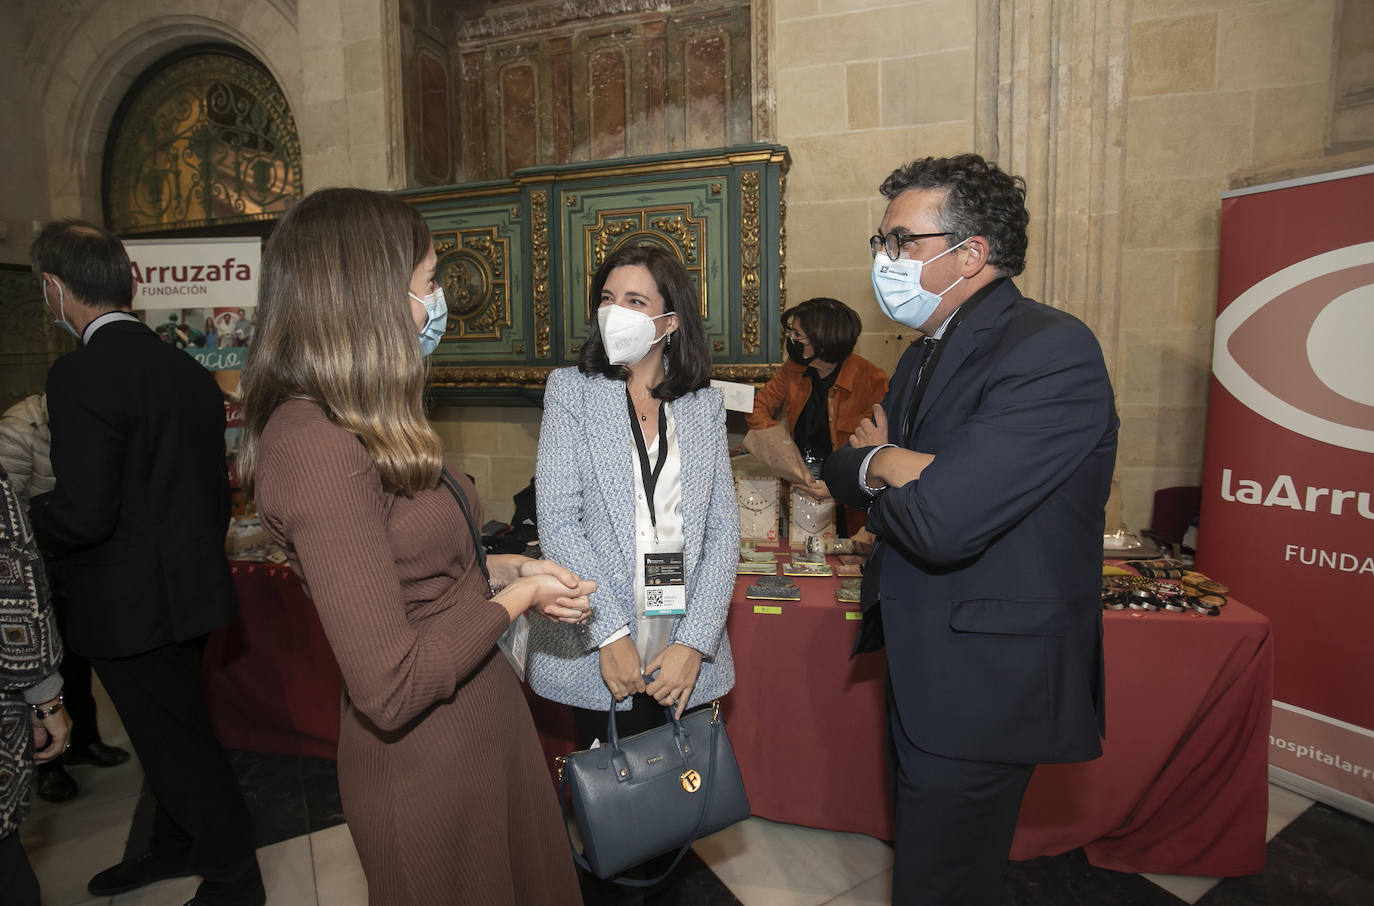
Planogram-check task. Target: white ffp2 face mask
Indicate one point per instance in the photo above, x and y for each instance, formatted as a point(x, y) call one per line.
point(897, 284)
point(627, 335)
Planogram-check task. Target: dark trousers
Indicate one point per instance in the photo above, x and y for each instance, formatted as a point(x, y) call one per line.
point(76, 689)
point(201, 816)
point(955, 821)
point(17, 880)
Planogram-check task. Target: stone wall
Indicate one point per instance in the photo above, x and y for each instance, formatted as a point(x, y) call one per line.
point(23, 165)
point(1215, 89)
point(1213, 93)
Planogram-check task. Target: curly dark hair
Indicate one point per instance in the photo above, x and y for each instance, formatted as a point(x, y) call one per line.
point(983, 200)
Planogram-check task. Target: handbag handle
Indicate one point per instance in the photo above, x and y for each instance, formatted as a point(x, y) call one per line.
point(479, 550)
point(691, 838)
point(613, 736)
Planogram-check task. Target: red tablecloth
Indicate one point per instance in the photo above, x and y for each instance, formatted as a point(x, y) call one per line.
point(1181, 787)
point(271, 679)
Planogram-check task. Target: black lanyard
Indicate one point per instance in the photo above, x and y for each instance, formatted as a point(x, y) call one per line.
point(650, 478)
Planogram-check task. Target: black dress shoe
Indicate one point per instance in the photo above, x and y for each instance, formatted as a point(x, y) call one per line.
point(55, 784)
point(132, 874)
point(96, 753)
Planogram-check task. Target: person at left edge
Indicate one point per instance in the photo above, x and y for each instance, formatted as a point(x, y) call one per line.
point(638, 403)
point(34, 725)
point(135, 532)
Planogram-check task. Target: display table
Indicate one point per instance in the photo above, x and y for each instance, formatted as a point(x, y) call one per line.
point(1181, 787)
point(270, 677)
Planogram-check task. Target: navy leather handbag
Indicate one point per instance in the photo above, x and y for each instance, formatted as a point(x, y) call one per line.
point(653, 792)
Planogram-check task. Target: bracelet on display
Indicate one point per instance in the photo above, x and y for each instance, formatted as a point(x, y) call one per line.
point(49, 711)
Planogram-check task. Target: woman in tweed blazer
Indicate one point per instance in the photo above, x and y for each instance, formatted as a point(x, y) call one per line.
point(591, 506)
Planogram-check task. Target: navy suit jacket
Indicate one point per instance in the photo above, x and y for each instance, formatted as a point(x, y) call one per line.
point(988, 568)
point(135, 526)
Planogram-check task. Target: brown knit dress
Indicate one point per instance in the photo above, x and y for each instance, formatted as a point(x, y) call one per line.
point(440, 769)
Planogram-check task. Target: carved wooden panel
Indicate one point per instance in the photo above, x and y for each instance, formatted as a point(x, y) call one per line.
point(479, 250)
point(681, 215)
point(516, 258)
point(544, 84)
point(435, 157)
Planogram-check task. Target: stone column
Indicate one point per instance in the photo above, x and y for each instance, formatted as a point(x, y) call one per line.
point(1051, 107)
point(351, 117)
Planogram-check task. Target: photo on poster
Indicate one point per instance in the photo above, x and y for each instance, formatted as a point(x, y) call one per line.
point(201, 328)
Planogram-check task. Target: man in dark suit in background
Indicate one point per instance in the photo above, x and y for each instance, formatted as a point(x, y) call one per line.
point(135, 529)
point(985, 472)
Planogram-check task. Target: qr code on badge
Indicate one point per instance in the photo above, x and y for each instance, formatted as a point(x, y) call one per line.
point(653, 597)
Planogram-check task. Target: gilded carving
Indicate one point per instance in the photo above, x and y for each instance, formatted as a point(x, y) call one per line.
point(749, 259)
point(749, 374)
point(680, 230)
point(493, 376)
point(782, 240)
point(539, 255)
point(668, 226)
point(472, 272)
point(606, 232)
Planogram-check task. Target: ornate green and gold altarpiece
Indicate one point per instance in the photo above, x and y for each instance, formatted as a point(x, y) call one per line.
point(516, 257)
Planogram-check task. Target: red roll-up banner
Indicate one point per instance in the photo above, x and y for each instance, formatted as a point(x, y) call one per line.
point(1288, 479)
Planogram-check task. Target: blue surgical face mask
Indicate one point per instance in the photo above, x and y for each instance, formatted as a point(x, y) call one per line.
point(61, 309)
point(897, 285)
point(436, 312)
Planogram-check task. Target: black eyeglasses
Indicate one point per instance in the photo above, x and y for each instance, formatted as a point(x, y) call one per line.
point(893, 243)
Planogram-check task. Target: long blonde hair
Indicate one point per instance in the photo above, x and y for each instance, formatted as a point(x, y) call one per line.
point(333, 327)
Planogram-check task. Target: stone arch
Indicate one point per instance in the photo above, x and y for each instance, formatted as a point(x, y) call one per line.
point(81, 92)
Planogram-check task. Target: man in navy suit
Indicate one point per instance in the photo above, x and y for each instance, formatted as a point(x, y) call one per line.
point(985, 472)
point(135, 531)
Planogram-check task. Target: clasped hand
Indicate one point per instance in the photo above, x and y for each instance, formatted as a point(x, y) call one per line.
point(555, 592)
point(676, 668)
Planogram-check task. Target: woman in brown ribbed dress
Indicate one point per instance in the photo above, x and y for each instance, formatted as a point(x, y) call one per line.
point(440, 770)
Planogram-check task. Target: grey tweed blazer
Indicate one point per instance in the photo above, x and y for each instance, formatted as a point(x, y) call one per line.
point(584, 489)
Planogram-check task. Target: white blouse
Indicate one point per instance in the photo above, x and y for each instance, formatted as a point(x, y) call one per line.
point(654, 633)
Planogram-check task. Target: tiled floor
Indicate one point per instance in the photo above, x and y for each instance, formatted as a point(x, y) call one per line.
point(1316, 855)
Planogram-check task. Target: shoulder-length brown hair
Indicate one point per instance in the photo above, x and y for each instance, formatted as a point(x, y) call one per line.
point(688, 356)
point(333, 326)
